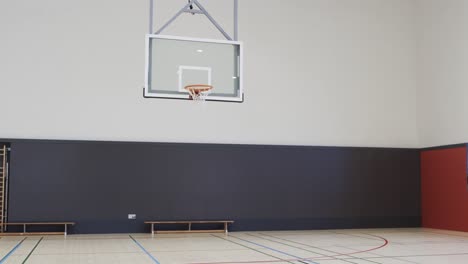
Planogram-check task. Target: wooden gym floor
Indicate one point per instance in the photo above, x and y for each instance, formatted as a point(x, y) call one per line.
point(389, 246)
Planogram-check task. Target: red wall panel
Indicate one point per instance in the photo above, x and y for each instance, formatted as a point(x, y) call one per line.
point(444, 189)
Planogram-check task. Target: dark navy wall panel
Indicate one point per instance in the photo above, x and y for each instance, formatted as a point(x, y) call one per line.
point(97, 184)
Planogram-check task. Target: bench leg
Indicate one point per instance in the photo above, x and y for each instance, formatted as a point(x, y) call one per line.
point(65, 233)
point(152, 230)
point(24, 229)
point(226, 228)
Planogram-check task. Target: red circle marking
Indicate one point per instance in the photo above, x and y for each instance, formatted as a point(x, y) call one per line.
point(314, 258)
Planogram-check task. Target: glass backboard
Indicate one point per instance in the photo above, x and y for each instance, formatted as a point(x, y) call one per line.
point(172, 63)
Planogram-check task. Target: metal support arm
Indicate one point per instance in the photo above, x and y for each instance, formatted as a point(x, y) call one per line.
point(185, 8)
point(201, 10)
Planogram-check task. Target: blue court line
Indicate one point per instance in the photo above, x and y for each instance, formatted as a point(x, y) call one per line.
point(12, 251)
point(144, 250)
point(278, 251)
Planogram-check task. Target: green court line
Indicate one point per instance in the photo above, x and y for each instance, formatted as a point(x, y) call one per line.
point(30, 253)
point(256, 250)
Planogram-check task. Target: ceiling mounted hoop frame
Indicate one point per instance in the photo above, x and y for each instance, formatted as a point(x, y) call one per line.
point(188, 8)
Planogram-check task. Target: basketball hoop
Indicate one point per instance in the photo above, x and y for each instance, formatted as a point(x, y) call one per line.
point(198, 92)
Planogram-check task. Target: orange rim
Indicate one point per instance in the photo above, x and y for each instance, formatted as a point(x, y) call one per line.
point(198, 88)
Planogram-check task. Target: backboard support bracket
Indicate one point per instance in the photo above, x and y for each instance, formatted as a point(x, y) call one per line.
point(188, 8)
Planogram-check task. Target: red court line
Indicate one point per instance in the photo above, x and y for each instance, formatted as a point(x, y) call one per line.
point(311, 258)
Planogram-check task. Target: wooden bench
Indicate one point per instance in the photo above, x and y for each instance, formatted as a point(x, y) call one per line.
point(25, 233)
point(189, 224)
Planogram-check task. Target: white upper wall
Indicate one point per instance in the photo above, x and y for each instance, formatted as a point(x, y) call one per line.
point(443, 64)
point(317, 72)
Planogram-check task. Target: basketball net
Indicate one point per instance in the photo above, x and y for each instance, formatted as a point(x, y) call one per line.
point(198, 92)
